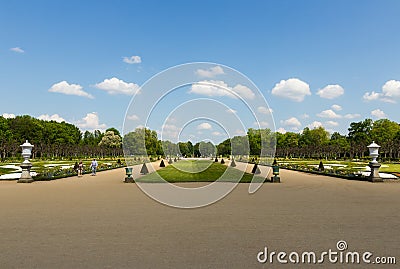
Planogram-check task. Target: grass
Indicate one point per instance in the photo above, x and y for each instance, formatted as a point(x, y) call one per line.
point(212, 171)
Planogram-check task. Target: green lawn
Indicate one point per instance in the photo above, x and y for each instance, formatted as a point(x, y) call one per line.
point(178, 173)
point(350, 165)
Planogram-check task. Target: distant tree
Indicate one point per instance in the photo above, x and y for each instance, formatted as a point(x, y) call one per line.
point(360, 136)
point(110, 140)
point(384, 133)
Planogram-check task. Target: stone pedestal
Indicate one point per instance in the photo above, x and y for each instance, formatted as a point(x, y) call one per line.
point(275, 179)
point(129, 180)
point(374, 176)
point(26, 173)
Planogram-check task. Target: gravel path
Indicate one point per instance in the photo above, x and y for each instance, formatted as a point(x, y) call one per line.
point(101, 222)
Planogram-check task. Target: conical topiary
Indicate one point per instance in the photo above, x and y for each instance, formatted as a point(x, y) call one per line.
point(321, 166)
point(175, 160)
point(144, 169)
point(162, 164)
point(216, 159)
point(233, 164)
point(256, 170)
point(222, 161)
point(170, 161)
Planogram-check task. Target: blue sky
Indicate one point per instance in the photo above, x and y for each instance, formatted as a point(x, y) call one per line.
point(315, 62)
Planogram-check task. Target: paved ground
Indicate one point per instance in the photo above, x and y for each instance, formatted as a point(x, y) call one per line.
point(100, 222)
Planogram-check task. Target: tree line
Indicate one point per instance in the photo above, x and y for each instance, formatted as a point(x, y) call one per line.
point(54, 140)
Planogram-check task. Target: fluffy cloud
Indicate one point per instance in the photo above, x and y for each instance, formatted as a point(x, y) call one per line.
point(264, 110)
point(262, 124)
point(379, 114)
point(293, 89)
point(281, 130)
point(132, 60)
point(204, 126)
point(390, 92)
point(69, 89)
point(391, 89)
point(336, 107)
point(17, 50)
point(352, 116)
point(8, 116)
point(54, 117)
point(240, 132)
point(91, 122)
point(331, 91)
point(216, 134)
point(315, 124)
point(304, 116)
point(220, 88)
point(371, 96)
point(292, 122)
point(331, 123)
point(211, 72)
point(118, 86)
point(330, 114)
point(133, 117)
point(170, 131)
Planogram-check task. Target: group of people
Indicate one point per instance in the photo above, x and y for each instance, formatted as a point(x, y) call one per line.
point(78, 167)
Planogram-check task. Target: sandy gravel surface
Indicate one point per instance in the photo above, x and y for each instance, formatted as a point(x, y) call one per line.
point(101, 222)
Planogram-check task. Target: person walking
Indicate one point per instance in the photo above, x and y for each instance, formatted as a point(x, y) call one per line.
point(80, 169)
point(94, 165)
point(76, 168)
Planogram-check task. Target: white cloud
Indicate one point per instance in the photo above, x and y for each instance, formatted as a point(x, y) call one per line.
point(220, 88)
point(331, 123)
point(118, 86)
point(379, 114)
point(391, 88)
point(292, 122)
point(17, 50)
point(204, 126)
point(390, 91)
point(315, 124)
point(69, 89)
point(282, 130)
point(230, 110)
point(133, 117)
point(371, 96)
point(262, 124)
point(91, 122)
point(336, 107)
point(304, 116)
point(244, 91)
point(330, 114)
point(211, 72)
point(8, 116)
point(352, 116)
point(240, 132)
point(54, 117)
point(331, 91)
point(264, 110)
point(132, 60)
point(293, 89)
point(216, 134)
point(170, 131)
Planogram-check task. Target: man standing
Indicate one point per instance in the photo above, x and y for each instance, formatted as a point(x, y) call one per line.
point(94, 165)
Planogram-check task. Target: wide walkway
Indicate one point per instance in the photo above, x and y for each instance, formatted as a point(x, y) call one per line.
point(101, 222)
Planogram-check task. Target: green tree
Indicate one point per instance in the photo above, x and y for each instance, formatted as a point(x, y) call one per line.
point(384, 133)
point(360, 136)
